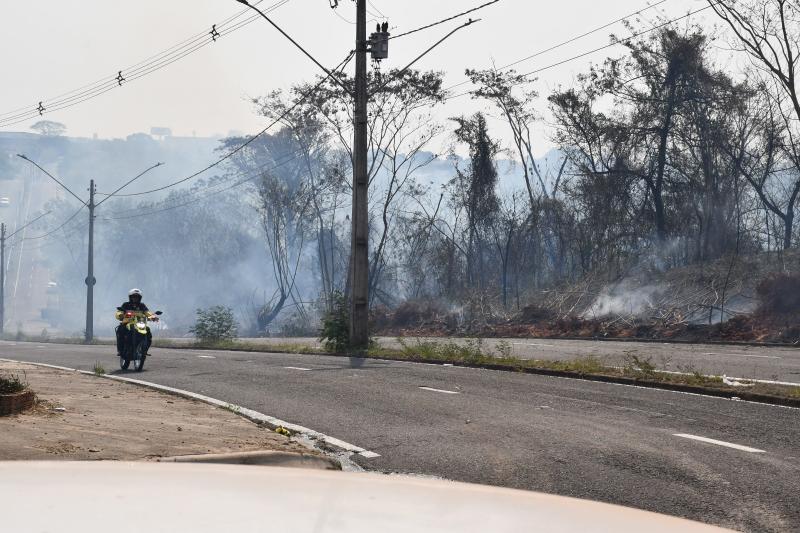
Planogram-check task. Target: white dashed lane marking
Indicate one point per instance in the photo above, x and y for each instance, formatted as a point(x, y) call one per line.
point(206, 357)
point(744, 355)
point(440, 390)
point(297, 368)
point(720, 443)
point(533, 344)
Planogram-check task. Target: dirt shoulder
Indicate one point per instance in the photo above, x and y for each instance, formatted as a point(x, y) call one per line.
point(80, 417)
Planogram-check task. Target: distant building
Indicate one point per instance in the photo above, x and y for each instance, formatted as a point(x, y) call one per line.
point(160, 133)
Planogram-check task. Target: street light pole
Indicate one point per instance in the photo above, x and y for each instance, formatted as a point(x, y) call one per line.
point(359, 301)
point(3, 239)
point(2, 278)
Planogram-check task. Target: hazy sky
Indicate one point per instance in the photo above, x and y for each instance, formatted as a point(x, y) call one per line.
point(53, 46)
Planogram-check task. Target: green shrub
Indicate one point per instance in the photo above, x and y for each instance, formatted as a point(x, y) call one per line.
point(215, 324)
point(11, 384)
point(335, 334)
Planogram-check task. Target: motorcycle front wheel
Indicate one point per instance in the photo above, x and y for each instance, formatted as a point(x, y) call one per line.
point(138, 358)
point(124, 363)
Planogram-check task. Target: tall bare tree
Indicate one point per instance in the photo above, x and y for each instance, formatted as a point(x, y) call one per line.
point(768, 32)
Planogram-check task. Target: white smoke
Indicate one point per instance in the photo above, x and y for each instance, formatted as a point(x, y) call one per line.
point(624, 299)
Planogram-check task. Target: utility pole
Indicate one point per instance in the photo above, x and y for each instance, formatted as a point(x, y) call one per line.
point(90, 280)
point(2, 278)
point(359, 301)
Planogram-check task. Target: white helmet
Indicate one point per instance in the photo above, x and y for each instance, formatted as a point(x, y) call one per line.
point(134, 292)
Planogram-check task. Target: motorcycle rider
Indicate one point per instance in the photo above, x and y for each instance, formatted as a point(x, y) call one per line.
point(134, 304)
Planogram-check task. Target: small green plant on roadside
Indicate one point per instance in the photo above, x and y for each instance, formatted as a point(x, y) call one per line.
point(215, 324)
point(505, 349)
point(335, 333)
point(11, 384)
point(98, 369)
point(637, 366)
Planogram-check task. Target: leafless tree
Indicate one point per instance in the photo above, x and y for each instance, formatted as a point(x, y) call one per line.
point(767, 31)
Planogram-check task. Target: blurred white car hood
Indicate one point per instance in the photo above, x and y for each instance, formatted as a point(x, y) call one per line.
point(98, 497)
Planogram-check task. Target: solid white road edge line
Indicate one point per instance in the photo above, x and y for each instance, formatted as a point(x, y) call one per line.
point(243, 411)
point(440, 390)
point(747, 380)
point(719, 443)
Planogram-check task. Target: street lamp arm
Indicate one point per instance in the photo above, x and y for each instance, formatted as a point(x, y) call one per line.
point(107, 196)
point(34, 163)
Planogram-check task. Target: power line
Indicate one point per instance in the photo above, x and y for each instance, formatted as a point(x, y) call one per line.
point(28, 224)
point(372, 4)
point(113, 81)
point(134, 72)
point(202, 197)
point(49, 233)
point(616, 42)
point(336, 12)
point(260, 169)
point(564, 43)
point(448, 19)
point(400, 72)
point(157, 56)
point(251, 139)
point(581, 36)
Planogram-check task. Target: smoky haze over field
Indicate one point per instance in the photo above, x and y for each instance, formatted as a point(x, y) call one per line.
point(202, 246)
point(668, 166)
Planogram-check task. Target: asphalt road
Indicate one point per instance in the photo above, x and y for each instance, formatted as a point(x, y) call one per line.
point(604, 442)
point(740, 361)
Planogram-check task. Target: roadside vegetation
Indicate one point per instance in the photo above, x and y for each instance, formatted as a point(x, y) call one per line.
point(215, 324)
point(98, 369)
point(11, 384)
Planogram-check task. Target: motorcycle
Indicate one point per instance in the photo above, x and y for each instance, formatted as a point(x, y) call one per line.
point(134, 349)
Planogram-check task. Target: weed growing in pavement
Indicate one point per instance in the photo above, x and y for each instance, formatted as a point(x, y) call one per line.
point(12, 384)
point(98, 369)
point(505, 348)
point(636, 366)
point(335, 333)
point(235, 409)
point(472, 351)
